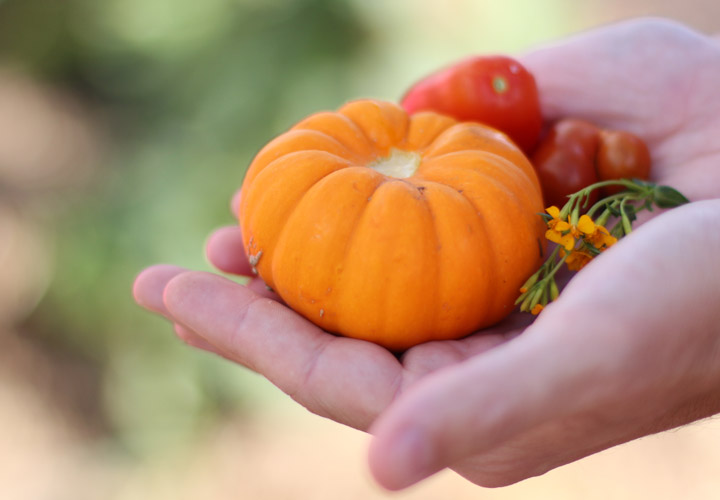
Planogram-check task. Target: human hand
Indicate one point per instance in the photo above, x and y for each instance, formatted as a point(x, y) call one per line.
point(614, 358)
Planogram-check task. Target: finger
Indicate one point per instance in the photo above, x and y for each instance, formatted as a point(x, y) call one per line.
point(149, 285)
point(235, 204)
point(465, 409)
point(225, 250)
point(546, 447)
point(148, 290)
point(348, 380)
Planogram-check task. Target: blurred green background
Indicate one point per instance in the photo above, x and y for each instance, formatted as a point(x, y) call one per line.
point(125, 128)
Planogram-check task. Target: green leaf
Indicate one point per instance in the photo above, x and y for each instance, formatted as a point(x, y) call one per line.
point(545, 217)
point(667, 197)
point(630, 212)
point(614, 211)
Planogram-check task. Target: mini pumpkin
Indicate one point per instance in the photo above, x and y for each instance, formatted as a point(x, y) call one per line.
point(391, 228)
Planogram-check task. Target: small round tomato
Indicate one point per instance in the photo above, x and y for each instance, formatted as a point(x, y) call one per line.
point(494, 90)
point(621, 155)
point(565, 160)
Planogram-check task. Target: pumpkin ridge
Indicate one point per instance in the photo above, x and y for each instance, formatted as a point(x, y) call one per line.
point(496, 254)
point(534, 202)
point(256, 166)
point(451, 193)
point(518, 201)
point(362, 130)
point(461, 192)
point(424, 128)
point(511, 192)
point(305, 193)
point(511, 164)
point(456, 128)
point(383, 112)
point(292, 207)
point(309, 124)
point(349, 241)
point(356, 222)
point(526, 168)
point(436, 263)
point(480, 137)
point(381, 319)
point(368, 139)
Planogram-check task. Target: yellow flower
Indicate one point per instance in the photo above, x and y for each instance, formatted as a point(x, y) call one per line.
point(565, 234)
point(556, 220)
point(601, 238)
point(585, 227)
point(559, 230)
point(578, 259)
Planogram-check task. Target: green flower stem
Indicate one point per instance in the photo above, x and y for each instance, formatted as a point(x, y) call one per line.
point(644, 190)
point(605, 202)
point(628, 184)
point(557, 267)
point(618, 230)
point(602, 220)
point(627, 227)
point(542, 287)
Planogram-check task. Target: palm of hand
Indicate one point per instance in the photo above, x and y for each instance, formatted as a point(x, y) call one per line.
point(499, 411)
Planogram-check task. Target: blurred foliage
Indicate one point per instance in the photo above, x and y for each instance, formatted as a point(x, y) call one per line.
point(187, 91)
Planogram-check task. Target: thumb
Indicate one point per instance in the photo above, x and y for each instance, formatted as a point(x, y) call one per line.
point(473, 407)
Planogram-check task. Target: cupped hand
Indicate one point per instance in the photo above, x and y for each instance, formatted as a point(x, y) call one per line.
point(631, 347)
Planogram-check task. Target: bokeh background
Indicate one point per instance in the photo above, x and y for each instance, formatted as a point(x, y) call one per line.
point(125, 128)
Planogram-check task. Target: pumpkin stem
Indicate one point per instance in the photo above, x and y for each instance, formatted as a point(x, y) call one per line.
point(399, 164)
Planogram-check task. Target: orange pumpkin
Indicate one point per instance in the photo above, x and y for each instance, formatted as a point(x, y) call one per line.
point(393, 229)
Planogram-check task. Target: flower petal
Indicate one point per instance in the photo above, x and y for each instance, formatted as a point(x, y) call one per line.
point(586, 224)
point(553, 211)
point(568, 242)
point(553, 235)
point(565, 240)
point(577, 260)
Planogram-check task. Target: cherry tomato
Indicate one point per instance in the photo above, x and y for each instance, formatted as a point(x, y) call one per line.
point(495, 90)
point(565, 160)
point(621, 155)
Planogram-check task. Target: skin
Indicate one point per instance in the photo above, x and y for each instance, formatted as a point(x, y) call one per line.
point(631, 347)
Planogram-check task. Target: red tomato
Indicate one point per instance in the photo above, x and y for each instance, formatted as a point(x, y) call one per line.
point(621, 155)
point(565, 160)
point(495, 90)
